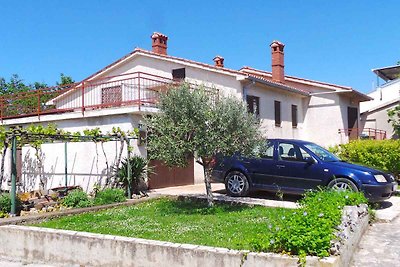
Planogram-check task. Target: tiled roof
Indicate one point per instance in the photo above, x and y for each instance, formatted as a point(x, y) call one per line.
point(268, 75)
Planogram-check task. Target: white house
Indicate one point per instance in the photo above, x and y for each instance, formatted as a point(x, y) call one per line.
point(120, 93)
point(385, 97)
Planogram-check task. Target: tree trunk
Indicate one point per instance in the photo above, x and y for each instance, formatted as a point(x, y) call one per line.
point(107, 165)
point(2, 163)
point(207, 182)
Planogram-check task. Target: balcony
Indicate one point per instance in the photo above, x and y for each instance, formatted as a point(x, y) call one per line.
point(133, 89)
point(366, 133)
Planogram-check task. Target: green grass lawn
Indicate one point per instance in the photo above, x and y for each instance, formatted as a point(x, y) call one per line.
point(229, 226)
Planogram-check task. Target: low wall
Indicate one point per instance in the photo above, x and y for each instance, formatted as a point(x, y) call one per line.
point(66, 248)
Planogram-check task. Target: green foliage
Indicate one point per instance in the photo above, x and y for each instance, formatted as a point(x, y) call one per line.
point(194, 123)
point(309, 229)
point(109, 196)
point(190, 222)
point(5, 203)
point(378, 154)
point(139, 171)
point(77, 199)
point(394, 119)
point(65, 80)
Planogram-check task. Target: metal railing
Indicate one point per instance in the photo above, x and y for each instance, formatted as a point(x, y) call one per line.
point(131, 89)
point(366, 133)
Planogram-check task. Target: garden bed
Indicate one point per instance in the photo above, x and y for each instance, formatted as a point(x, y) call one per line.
point(242, 231)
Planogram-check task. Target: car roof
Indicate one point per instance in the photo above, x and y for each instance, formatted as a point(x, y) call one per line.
point(289, 140)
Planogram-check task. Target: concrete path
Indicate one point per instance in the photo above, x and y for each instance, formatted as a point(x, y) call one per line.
point(380, 245)
point(256, 198)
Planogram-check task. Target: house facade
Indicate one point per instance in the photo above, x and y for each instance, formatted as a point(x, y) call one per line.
point(385, 97)
point(122, 92)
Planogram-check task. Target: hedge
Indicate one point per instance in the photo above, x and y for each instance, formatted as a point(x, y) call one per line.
point(379, 154)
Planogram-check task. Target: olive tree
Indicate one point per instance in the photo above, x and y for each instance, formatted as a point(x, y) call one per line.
point(195, 122)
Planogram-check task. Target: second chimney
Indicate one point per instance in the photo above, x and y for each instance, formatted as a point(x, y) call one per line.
point(278, 65)
point(219, 61)
point(159, 43)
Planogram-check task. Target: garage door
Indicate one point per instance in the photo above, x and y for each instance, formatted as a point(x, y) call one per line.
point(165, 176)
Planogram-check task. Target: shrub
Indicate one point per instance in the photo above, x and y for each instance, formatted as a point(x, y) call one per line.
point(309, 229)
point(5, 204)
point(139, 170)
point(378, 154)
point(109, 195)
point(77, 199)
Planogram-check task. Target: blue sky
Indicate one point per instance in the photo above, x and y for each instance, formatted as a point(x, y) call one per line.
point(332, 41)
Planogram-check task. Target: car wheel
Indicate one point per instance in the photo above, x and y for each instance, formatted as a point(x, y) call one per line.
point(342, 184)
point(237, 184)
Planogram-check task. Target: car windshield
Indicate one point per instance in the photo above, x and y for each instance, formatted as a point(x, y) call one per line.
point(321, 153)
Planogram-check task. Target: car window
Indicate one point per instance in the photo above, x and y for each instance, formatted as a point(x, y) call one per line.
point(268, 151)
point(321, 153)
point(292, 152)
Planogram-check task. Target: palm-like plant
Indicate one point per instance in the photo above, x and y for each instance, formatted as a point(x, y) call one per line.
point(139, 171)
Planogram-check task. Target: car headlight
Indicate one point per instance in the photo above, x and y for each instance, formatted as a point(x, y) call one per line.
point(380, 178)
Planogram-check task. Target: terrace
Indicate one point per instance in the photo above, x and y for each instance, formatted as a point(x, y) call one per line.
point(132, 89)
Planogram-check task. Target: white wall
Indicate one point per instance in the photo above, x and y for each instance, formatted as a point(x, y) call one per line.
point(383, 94)
point(268, 96)
point(85, 166)
point(325, 115)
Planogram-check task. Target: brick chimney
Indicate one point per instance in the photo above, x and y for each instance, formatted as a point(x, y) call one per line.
point(159, 43)
point(219, 61)
point(278, 65)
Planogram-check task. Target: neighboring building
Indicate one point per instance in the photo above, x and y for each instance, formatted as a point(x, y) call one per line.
point(119, 95)
point(387, 96)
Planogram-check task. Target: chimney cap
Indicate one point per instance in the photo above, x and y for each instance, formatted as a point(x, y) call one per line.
point(276, 43)
point(217, 57)
point(158, 35)
point(219, 61)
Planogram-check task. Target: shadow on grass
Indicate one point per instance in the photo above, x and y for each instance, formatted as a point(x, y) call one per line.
point(259, 194)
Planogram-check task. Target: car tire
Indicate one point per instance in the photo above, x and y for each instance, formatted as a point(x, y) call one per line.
point(236, 184)
point(341, 184)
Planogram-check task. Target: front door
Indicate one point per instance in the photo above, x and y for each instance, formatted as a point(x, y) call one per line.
point(352, 122)
point(263, 168)
point(294, 170)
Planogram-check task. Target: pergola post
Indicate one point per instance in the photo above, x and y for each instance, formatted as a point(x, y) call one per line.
point(129, 168)
point(13, 175)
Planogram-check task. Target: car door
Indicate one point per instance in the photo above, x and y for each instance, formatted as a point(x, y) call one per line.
point(296, 169)
point(262, 169)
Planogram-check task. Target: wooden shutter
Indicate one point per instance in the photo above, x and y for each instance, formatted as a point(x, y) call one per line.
point(277, 113)
point(294, 116)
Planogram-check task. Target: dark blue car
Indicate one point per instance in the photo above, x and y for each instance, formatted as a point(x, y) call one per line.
point(292, 166)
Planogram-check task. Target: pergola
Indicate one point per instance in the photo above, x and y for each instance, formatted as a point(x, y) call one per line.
point(20, 137)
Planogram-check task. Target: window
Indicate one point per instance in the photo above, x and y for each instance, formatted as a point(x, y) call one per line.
point(292, 152)
point(178, 74)
point(111, 94)
point(253, 104)
point(294, 116)
point(278, 113)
